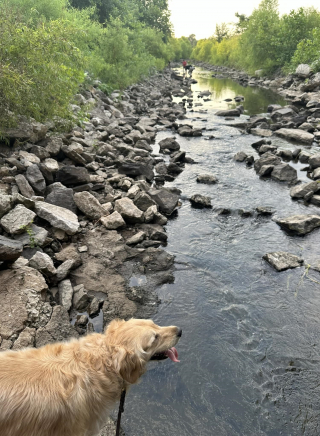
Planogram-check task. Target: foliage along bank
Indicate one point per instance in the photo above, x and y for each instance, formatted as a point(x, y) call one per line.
point(265, 40)
point(50, 48)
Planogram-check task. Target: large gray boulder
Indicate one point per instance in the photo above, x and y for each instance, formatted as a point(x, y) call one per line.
point(129, 211)
point(284, 173)
point(33, 236)
point(58, 217)
point(169, 144)
point(134, 169)
point(300, 191)
point(314, 160)
point(89, 205)
point(17, 220)
point(62, 197)
point(297, 135)
point(266, 159)
point(285, 112)
point(281, 260)
point(70, 175)
point(300, 224)
point(303, 71)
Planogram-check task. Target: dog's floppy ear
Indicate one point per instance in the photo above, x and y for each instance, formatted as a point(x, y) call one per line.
point(129, 365)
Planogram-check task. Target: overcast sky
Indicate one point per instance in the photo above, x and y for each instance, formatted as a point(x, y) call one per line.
point(201, 16)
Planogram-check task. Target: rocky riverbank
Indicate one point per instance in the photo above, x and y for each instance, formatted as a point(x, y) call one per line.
point(83, 214)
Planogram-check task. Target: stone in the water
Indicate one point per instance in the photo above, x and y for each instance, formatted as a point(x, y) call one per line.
point(266, 159)
point(17, 220)
point(170, 144)
point(208, 179)
point(300, 224)
point(228, 113)
point(284, 173)
point(300, 191)
point(266, 170)
point(200, 201)
point(281, 260)
point(240, 156)
point(295, 135)
point(314, 161)
point(264, 211)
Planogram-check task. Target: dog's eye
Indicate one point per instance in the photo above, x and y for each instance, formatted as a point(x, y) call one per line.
point(156, 336)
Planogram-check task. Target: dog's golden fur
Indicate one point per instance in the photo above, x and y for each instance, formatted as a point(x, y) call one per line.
point(68, 389)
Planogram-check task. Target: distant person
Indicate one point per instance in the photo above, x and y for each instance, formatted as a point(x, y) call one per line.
point(184, 65)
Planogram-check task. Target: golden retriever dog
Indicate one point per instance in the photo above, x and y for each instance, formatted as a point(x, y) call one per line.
point(69, 388)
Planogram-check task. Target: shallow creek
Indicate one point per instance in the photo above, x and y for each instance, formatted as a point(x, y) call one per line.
point(250, 349)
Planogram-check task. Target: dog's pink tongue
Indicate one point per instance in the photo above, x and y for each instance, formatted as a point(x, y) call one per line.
point(172, 353)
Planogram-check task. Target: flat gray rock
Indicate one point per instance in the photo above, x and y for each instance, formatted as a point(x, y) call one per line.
point(281, 260)
point(284, 173)
point(17, 220)
point(113, 221)
point(89, 205)
point(200, 201)
point(299, 191)
point(298, 135)
point(58, 217)
point(300, 224)
point(10, 250)
point(208, 179)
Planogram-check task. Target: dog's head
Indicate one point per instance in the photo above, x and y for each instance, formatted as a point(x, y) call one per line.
point(136, 342)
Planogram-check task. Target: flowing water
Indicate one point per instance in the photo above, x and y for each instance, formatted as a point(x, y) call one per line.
point(250, 349)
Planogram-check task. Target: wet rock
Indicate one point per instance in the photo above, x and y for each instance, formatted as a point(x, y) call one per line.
point(94, 307)
point(165, 199)
point(228, 113)
point(267, 147)
point(65, 294)
point(169, 144)
point(128, 210)
point(208, 179)
point(21, 303)
point(295, 135)
point(6, 202)
point(261, 132)
point(316, 174)
point(89, 205)
point(264, 211)
point(70, 175)
point(284, 173)
point(300, 191)
point(185, 131)
point(10, 250)
point(62, 197)
point(296, 153)
point(17, 220)
point(281, 260)
point(241, 156)
point(266, 170)
point(314, 161)
point(57, 329)
point(113, 221)
point(304, 157)
point(200, 201)
point(81, 321)
point(285, 154)
point(266, 159)
point(280, 114)
point(43, 263)
point(24, 186)
point(315, 199)
point(80, 299)
point(58, 217)
point(300, 224)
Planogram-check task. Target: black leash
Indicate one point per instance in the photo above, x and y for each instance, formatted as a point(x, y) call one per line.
point(121, 410)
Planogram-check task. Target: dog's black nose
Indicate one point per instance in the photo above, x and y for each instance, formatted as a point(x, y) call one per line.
point(179, 333)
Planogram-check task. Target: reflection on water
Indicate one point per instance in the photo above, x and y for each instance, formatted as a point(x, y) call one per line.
point(250, 349)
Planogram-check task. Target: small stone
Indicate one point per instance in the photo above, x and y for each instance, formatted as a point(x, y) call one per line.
point(24, 186)
point(80, 298)
point(135, 239)
point(65, 294)
point(208, 179)
point(94, 307)
point(83, 249)
point(89, 205)
point(64, 270)
point(43, 263)
point(129, 210)
point(81, 321)
point(240, 156)
point(113, 221)
point(281, 260)
point(200, 201)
